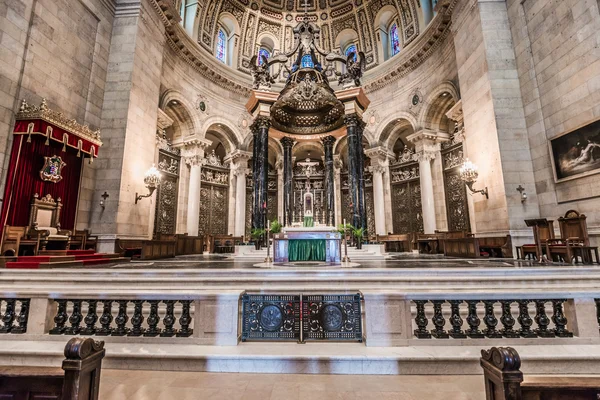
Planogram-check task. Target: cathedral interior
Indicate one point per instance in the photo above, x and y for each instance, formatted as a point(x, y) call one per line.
point(192, 189)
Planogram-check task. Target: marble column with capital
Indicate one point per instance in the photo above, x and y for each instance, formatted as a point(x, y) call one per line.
point(260, 154)
point(193, 155)
point(328, 143)
point(379, 157)
point(238, 161)
point(424, 157)
point(288, 177)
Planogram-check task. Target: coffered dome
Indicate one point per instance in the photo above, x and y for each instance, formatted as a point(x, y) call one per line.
point(235, 30)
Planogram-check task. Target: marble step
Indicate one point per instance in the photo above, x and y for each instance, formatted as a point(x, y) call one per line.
point(310, 358)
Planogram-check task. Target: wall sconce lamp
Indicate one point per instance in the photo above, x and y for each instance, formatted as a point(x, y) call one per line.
point(469, 174)
point(103, 201)
point(151, 180)
point(521, 190)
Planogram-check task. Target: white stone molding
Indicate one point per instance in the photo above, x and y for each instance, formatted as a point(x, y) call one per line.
point(163, 120)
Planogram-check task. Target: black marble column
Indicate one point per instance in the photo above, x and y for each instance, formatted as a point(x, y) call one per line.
point(362, 205)
point(287, 144)
point(352, 126)
point(328, 143)
point(260, 154)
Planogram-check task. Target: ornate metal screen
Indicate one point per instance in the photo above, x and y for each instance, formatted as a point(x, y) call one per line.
point(331, 317)
point(407, 211)
point(369, 201)
point(270, 317)
point(272, 201)
point(457, 207)
point(317, 183)
point(214, 200)
point(165, 220)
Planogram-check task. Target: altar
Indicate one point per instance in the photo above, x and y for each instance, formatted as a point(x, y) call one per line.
point(307, 244)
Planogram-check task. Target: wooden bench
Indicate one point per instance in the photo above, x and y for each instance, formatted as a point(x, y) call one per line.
point(78, 379)
point(186, 245)
point(396, 243)
point(220, 244)
point(472, 247)
point(504, 380)
point(145, 249)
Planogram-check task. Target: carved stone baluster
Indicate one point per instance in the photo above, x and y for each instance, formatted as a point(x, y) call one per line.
point(91, 318)
point(473, 321)
point(508, 321)
point(106, 319)
point(75, 319)
point(138, 319)
point(542, 320)
point(421, 320)
point(9, 316)
point(169, 319)
point(185, 320)
point(153, 319)
point(22, 318)
point(121, 319)
point(60, 319)
point(438, 320)
point(456, 320)
point(559, 319)
point(525, 320)
point(490, 320)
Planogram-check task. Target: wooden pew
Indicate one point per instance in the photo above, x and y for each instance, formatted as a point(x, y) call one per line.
point(396, 243)
point(472, 247)
point(185, 244)
point(78, 379)
point(504, 380)
point(145, 249)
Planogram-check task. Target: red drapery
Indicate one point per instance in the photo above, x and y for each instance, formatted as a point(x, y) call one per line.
point(23, 181)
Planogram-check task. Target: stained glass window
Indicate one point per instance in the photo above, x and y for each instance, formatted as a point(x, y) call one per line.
point(394, 40)
point(307, 61)
point(351, 49)
point(221, 46)
point(263, 52)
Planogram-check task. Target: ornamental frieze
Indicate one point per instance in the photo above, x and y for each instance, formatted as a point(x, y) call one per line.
point(217, 177)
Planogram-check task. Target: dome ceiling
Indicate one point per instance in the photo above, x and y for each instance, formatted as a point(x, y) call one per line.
point(342, 22)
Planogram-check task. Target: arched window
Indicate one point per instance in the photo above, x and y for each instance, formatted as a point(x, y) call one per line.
point(188, 14)
point(307, 61)
point(351, 49)
point(222, 46)
point(394, 40)
point(263, 52)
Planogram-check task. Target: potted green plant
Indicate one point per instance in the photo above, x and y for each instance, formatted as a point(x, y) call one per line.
point(276, 227)
point(344, 229)
point(358, 234)
point(257, 235)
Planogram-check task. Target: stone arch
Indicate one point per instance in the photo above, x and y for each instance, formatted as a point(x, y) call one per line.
point(394, 130)
point(345, 37)
point(269, 41)
point(181, 110)
point(437, 103)
point(384, 20)
point(383, 136)
point(307, 146)
point(225, 128)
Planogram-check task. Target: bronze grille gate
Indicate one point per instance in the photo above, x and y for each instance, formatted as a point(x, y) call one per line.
point(406, 197)
point(369, 201)
point(165, 219)
point(214, 200)
point(272, 200)
point(457, 206)
point(302, 317)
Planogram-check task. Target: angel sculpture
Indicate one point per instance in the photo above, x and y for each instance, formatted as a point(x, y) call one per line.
point(261, 73)
point(355, 65)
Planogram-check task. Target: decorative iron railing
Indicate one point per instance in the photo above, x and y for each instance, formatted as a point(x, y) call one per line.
point(123, 318)
point(14, 314)
point(531, 323)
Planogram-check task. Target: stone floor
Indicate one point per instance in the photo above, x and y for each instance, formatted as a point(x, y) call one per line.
point(159, 385)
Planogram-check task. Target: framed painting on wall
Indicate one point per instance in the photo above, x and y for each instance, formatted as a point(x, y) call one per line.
point(576, 153)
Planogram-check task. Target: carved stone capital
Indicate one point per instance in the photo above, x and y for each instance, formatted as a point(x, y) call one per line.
point(378, 169)
point(260, 122)
point(194, 160)
point(426, 155)
point(353, 121)
point(240, 172)
point(379, 156)
point(287, 142)
point(328, 141)
point(237, 157)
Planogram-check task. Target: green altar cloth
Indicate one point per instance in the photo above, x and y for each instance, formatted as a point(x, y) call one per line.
point(307, 250)
point(309, 222)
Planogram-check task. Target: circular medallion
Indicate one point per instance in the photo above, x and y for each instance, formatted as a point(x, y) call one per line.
point(202, 106)
point(332, 318)
point(415, 100)
point(271, 318)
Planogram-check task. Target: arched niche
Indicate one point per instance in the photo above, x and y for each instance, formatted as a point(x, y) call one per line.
point(180, 110)
point(437, 104)
point(229, 25)
point(397, 129)
point(385, 19)
point(225, 131)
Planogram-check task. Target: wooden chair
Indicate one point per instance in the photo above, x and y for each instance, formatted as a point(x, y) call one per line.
point(44, 223)
point(543, 231)
point(574, 241)
point(14, 238)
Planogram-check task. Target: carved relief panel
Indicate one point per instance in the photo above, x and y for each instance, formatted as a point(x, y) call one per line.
point(214, 201)
point(457, 207)
point(407, 211)
point(165, 220)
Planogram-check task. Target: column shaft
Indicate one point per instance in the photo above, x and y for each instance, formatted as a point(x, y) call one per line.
point(427, 194)
point(352, 121)
point(288, 176)
point(328, 143)
point(240, 201)
point(261, 170)
point(194, 198)
point(378, 199)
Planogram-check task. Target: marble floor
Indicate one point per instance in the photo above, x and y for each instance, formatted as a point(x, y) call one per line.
point(166, 385)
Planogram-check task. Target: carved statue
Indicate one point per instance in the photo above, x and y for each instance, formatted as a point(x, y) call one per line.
point(355, 66)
